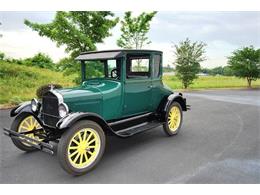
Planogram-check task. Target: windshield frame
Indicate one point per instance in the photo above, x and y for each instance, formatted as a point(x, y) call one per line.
point(106, 70)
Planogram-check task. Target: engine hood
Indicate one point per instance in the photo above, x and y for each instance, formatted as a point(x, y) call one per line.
point(70, 94)
point(89, 96)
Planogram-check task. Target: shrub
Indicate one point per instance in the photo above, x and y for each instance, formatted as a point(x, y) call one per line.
point(2, 55)
point(44, 88)
point(40, 60)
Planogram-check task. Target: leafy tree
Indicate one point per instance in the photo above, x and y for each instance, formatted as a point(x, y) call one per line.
point(245, 63)
point(68, 65)
point(2, 55)
point(134, 30)
point(227, 71)
point(188, 58)
point(78, 30)
point(219, 70)
point(40, 60)
point(205, 70)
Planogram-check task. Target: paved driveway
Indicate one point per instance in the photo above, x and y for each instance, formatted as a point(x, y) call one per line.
point(219, 143)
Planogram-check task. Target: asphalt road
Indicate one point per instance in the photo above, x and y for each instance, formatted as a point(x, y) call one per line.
point(218, 143)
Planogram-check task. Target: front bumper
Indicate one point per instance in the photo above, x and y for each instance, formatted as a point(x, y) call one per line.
point(45, 147)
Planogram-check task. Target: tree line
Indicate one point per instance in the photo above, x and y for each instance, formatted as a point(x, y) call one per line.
point(80, 31)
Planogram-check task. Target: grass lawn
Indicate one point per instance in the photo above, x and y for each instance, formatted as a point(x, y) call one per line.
point(19, 83)
point(207, 82)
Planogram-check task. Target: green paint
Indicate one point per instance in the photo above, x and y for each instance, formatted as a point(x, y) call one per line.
point(114, 99)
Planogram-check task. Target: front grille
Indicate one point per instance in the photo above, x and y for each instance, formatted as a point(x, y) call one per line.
point(50, 111)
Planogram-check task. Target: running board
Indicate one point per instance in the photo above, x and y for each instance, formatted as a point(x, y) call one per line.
point(138, 128)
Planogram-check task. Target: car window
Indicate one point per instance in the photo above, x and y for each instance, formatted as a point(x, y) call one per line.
point(156, 62)
point(95, 69)
point(138, 66)
point(111, 65)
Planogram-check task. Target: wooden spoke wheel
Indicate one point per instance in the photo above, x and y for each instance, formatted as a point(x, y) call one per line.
point(26, 123)
point(81, 147)
point(173, 119)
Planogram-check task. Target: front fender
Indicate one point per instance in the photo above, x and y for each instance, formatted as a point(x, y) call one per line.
point(72, 118)
point(23, 107)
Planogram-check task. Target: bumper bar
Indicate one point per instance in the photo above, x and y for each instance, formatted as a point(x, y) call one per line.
point(45, 147)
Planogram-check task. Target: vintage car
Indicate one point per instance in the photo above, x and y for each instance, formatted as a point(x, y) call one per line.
point(127, 97)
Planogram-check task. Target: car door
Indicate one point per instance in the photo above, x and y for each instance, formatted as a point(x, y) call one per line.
point(137, 86)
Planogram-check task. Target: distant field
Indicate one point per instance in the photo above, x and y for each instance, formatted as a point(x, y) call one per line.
point(19, 83)
point(206, 82)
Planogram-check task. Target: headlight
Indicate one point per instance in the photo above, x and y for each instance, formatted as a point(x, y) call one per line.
point(34, 105)
point(63, 110)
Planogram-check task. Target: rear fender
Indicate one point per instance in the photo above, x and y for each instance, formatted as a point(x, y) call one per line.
point(167, 101)
point(72, 118)
point(177, 97)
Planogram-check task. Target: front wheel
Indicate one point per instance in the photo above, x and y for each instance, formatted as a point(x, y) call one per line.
point(26, 122)
point(81, 147)
point(173, 119)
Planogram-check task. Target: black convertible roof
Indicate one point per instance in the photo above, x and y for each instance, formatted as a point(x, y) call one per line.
point(110, 54)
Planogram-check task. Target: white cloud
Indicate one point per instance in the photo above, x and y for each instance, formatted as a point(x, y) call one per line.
point(26, 43)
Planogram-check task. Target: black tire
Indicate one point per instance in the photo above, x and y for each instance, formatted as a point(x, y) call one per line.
point(15, 127)
point(65, 140)
point(166, 127)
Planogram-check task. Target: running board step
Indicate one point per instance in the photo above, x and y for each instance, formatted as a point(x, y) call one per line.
point(138, 128)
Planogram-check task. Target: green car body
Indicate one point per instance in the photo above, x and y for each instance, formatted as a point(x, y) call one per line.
point(100, 95)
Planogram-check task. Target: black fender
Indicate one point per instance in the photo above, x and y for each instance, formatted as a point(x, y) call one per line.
point(23, 107)
point(177, 97)
point(167, 101)
point(72, 118)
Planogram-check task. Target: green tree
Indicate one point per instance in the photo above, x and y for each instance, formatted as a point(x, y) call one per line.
point(219, 70)
point(134, 30)
point(78, 30)
point(245, 63)
point(227, 71)
point(205, 70)
point(188, 58)
point(2, 55)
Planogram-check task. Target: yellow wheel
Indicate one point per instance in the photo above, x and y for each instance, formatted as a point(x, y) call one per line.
point(26, 123)
point(81, 147)
point(173, 119)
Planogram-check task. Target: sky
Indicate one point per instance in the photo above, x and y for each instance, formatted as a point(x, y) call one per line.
point(223, 32)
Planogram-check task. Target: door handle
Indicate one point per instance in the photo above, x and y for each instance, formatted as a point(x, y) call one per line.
point(150, 86)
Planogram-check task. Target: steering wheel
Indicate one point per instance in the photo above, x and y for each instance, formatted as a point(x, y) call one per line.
point(113, 73)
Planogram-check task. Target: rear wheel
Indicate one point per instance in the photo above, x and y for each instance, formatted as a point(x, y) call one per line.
point(81, 147)
point(173, 119)
point(25, 123)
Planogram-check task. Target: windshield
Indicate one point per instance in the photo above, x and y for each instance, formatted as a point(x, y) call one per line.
point(102, 69)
